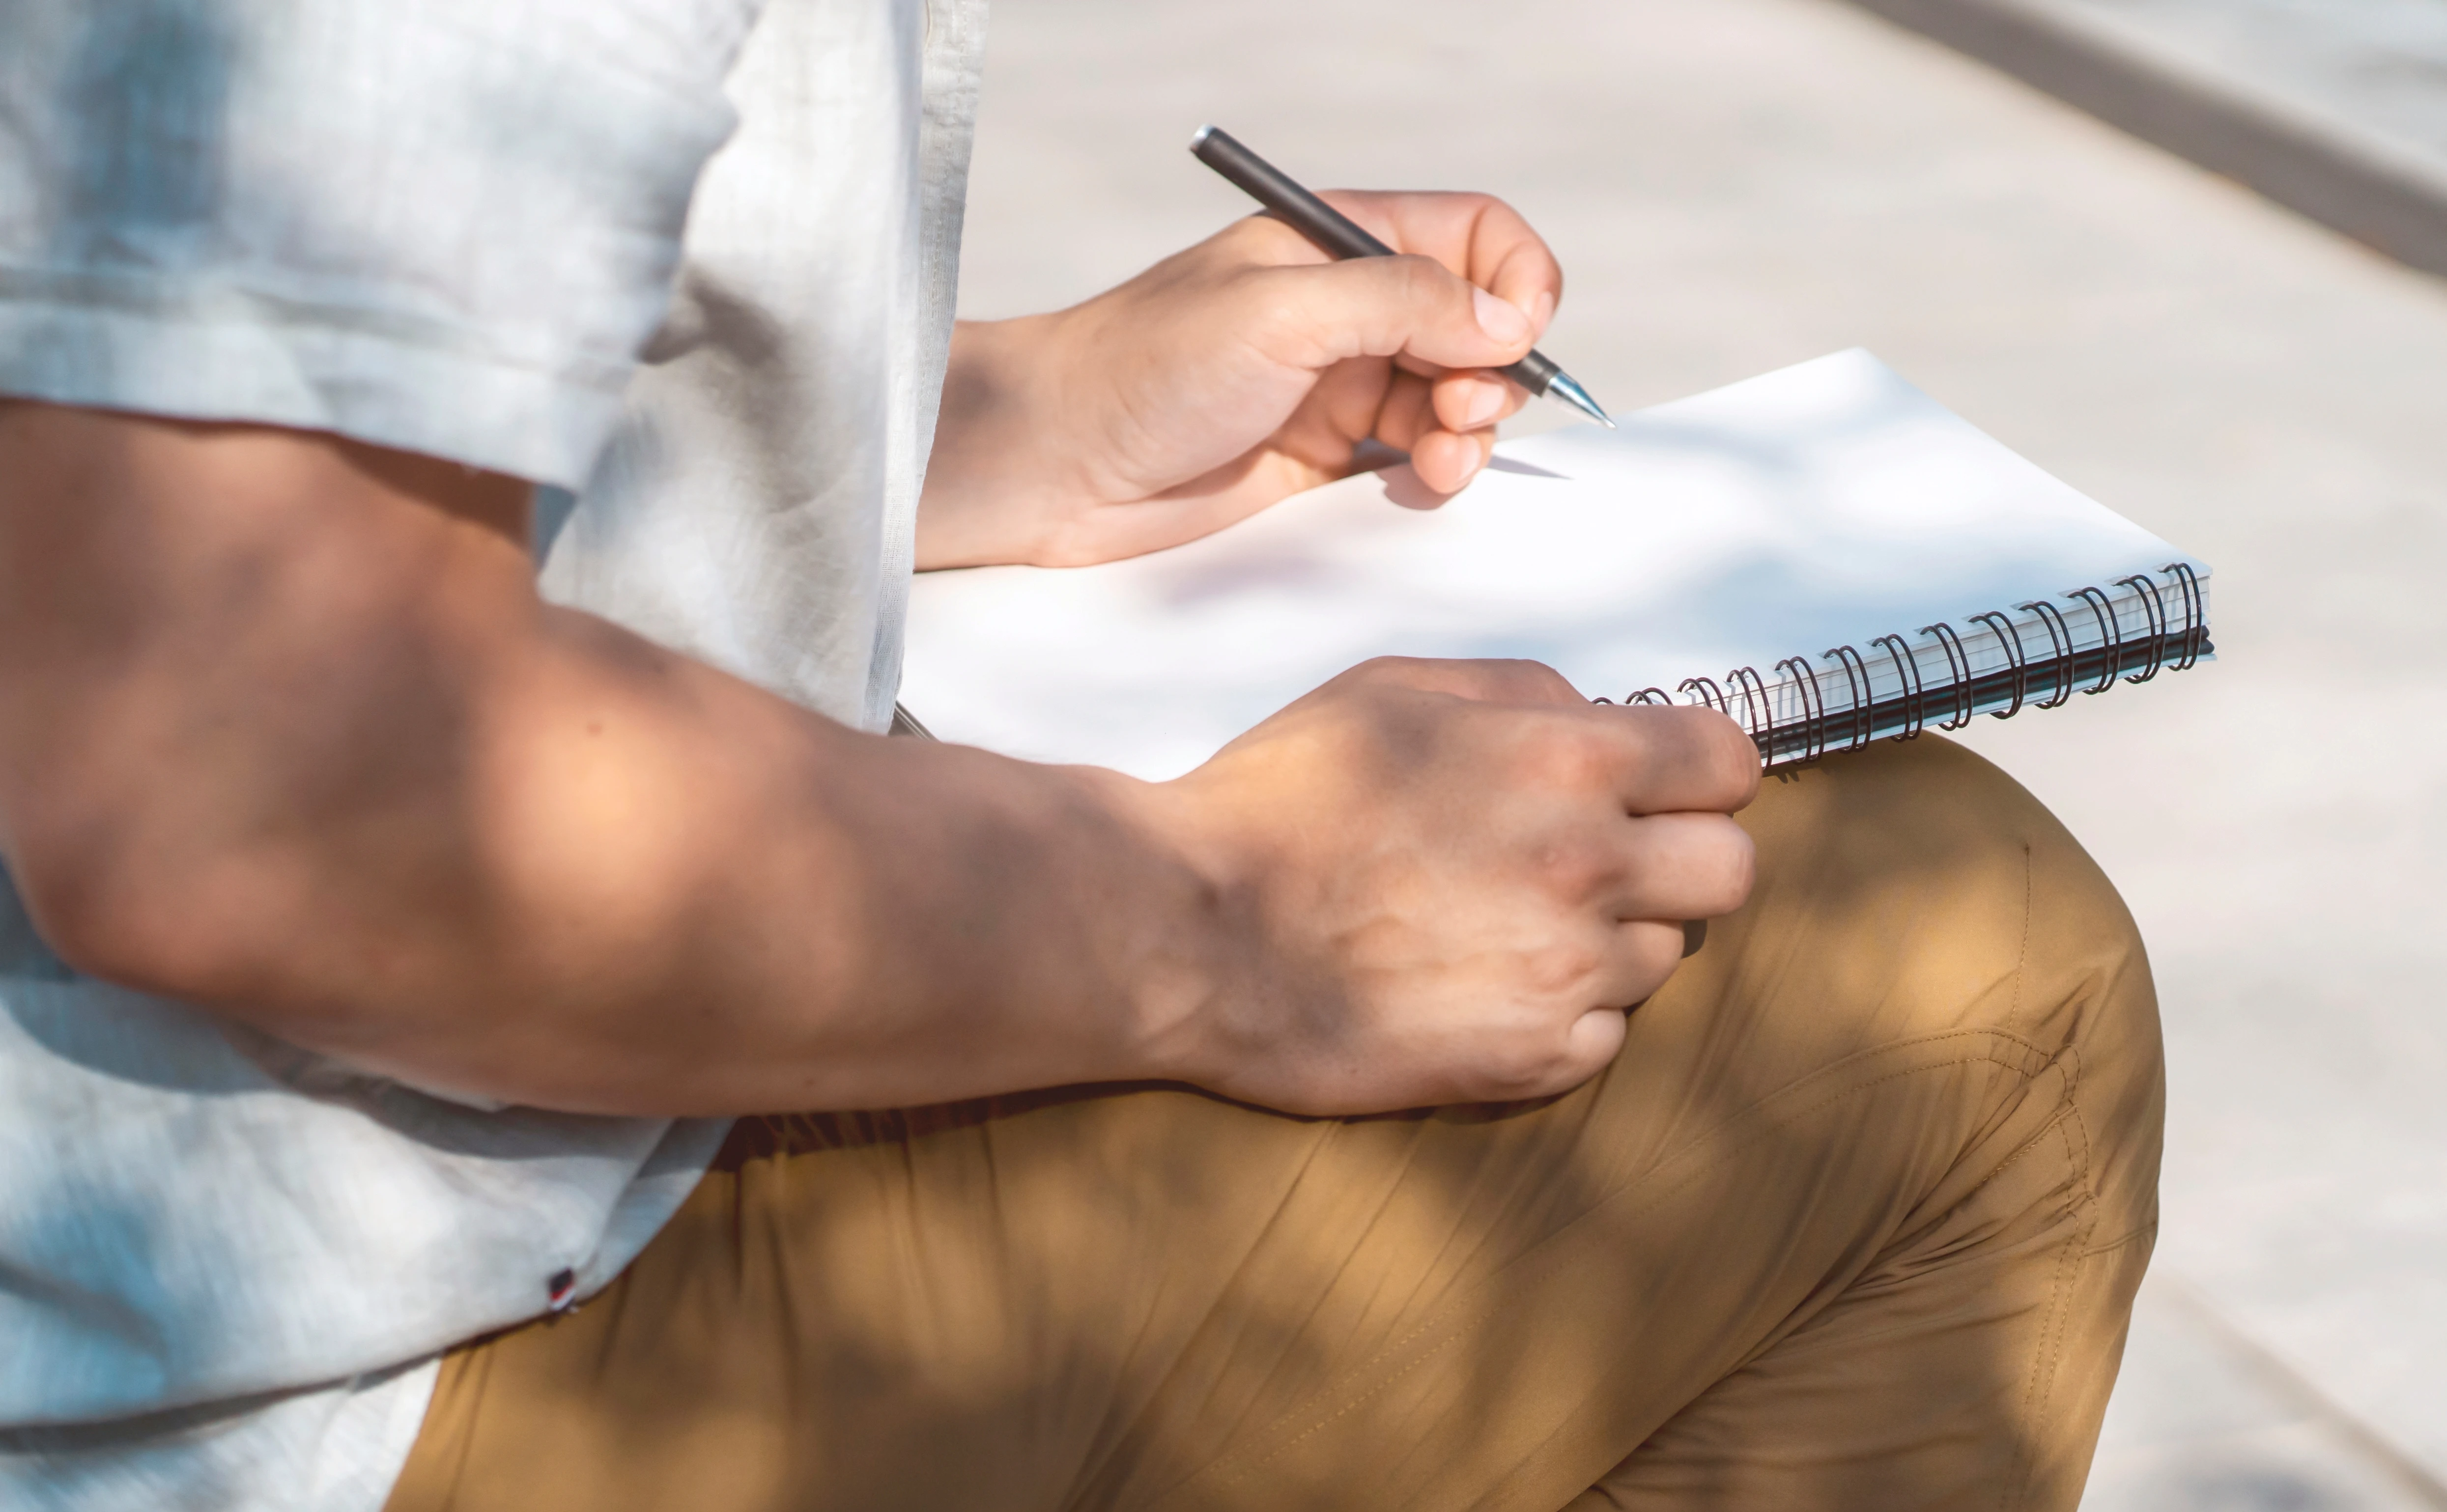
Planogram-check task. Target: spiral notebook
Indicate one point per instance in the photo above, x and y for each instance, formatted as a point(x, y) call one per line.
point(1824, 553)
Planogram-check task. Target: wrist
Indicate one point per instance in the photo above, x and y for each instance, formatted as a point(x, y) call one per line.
point(990, 479)
point(1191, 961)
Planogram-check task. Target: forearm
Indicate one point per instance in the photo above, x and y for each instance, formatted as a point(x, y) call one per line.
point(649, 887)
point(411, 815)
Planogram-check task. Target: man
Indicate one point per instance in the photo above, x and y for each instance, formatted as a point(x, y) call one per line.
point(399, 943)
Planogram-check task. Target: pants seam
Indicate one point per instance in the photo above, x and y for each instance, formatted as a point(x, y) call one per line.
point(2017, 1489)
point(2146, 1231)
point(2023, 951)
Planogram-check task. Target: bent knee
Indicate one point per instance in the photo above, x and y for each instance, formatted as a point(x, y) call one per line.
point(1925, 933)
point(1913, 891)
point(1924, 890)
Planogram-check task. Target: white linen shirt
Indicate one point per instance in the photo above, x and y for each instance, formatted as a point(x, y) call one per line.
point(687, 265)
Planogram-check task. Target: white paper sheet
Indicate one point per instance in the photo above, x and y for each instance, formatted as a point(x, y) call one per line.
point(1824, 504)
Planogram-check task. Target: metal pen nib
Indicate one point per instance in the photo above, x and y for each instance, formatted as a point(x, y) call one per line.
point(1565, 387)
point(1546, 379)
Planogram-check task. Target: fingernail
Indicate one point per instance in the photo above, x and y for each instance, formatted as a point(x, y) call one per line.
point(1543, 311)
point(1485, 398)
point(1502, 322)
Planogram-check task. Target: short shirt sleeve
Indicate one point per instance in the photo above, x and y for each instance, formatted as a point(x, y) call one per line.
point(447, 226)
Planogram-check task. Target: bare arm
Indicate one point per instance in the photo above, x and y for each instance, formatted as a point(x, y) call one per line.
point(286, 731)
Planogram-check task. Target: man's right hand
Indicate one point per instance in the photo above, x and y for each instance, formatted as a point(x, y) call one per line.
point(1445, 882)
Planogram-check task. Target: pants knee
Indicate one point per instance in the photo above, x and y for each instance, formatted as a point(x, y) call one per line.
point(1942, 898)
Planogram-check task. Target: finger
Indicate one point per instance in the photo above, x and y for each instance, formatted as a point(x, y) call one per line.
point(1673, 758)
point(1550, 1063)
point(1627, 963)
point(1406, 412)
point(1475, 400)
point(1444, 457)
point(1640, 955)
point(1649, 759)
point(1311, 317)
point(1477, 235)
point(1446, 463)
point(1683, 866)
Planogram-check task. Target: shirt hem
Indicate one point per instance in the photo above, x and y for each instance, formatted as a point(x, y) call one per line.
point(369, 385)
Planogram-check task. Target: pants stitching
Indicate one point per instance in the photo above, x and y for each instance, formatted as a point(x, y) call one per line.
point(2146, 1231)
point(2022, 951)
point(2016, 1490)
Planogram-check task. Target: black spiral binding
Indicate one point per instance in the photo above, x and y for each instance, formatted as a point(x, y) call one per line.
point(2193, 617)
point(2019, 670)
point(1856, 683)
point(2104, 614)
point(1813, 706)
point(1753, 690)
point(2172, 643)
point(2148, 591)
point(1907, 673)
point(1957, 673)
point(2059, 641)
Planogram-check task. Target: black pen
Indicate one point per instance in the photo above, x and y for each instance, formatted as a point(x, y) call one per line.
point(1334, 234)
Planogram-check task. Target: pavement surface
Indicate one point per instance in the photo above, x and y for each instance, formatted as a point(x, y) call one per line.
point(1739, 184)
point(2380, 65)
point(2334, 107)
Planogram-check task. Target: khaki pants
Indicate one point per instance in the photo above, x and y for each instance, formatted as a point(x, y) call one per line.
point(1854, 1220)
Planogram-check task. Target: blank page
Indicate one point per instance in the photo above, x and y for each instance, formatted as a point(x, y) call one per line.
point(1823, 504)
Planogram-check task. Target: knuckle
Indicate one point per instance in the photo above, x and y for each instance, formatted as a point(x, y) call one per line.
point(1565, 969)
point(1577, 869)
point(1713, 735)
point(1729, 752)
point(1489, 674)
point(1520, 681)
point(1412, 673)
point(1566, 756)
point(1656, 730)
point(1275, 312)
point(1486, 681)
point(1423, 281)
point(1538, 678)
point(1713, 756)
point(1381, 669)
point(1277, 305)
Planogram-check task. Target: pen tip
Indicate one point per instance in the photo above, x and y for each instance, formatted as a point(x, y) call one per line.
point(1198, 140)
point(1565, 390)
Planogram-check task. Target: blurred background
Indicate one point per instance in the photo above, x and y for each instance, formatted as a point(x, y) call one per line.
point(2044, 212)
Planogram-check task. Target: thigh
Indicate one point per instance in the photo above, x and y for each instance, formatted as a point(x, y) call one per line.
point(1149, 1297)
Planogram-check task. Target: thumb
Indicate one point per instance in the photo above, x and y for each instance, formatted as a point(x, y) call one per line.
point(1313, 316)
